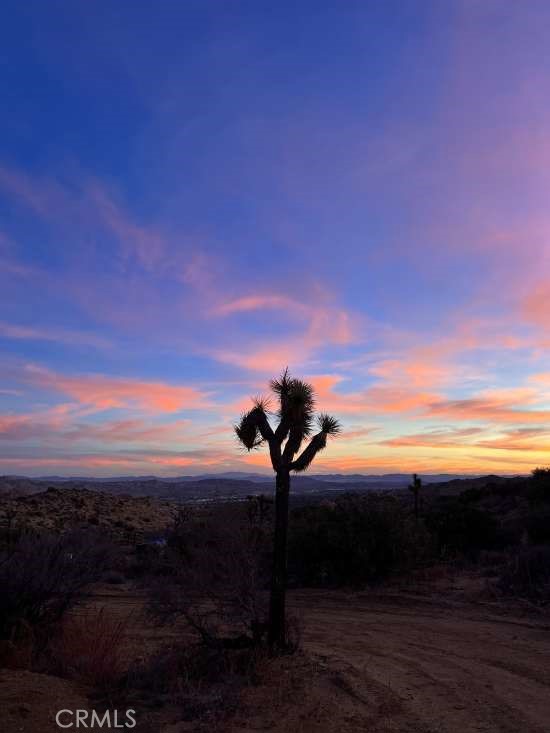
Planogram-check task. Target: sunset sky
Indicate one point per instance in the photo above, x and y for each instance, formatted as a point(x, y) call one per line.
point(195, 194)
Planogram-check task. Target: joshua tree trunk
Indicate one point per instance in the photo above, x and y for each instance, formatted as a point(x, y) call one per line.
point(296, 411)
point(278, 578)
point(416, 506)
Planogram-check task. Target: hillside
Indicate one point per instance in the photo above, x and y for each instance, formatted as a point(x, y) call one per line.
point(67, 507)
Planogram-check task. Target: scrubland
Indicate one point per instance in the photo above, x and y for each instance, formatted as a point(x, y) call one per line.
point(396, 623)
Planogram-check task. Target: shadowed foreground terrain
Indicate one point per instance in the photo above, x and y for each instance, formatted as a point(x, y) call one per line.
point(435, 624)
point(376, 662)
point(432, 667)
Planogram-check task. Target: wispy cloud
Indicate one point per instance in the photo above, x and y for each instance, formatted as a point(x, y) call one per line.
point(85, 205)
point(103, 392)
point(58, 335)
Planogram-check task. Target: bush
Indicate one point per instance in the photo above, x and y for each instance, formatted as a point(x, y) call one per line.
point(459, 528)
point(214, 574)
point(43, 575)
point(351, 541)
point(541, 474)
point(204, 681)
point(90, 647)
point(527, 575)
point(539, 486)
point(472, 495)
point(538, 526)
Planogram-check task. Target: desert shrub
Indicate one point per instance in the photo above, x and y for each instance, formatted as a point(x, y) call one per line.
point(145, 562)
point(202, 680)
point(538, 526)
point(541, 474)
point(459, 528)
point(539, 486)
point(43, 575)
point(527, 575)
point(473, 495)
point(351, 541)
point(214, 574)
point(89, 646)
point(506, 487)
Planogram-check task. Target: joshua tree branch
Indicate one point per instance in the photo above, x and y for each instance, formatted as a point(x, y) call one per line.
point(282, 429)
point(262, 422)
point(329, 426)
point(295, 437)
point(316, 444)
point(275, 453)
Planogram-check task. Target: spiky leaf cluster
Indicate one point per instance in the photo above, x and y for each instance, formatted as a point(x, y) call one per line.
point(296, 415)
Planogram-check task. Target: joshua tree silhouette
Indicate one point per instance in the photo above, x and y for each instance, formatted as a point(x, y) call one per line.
point(295, 413)
point(416, 487)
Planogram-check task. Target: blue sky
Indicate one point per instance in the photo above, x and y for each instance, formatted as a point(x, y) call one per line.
point(195, 195)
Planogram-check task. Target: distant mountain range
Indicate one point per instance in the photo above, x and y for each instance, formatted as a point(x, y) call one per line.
point(387, 478)
point(207, 487)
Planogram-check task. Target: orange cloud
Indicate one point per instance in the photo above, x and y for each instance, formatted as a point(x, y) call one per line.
point(375, 399)
point(535, 306)
point(433, 439)
point(322, 326)
point(522, 439)
point(127, 431)
point(259, 302)
point(57, 426)
point(103, 392)
point(492, 406)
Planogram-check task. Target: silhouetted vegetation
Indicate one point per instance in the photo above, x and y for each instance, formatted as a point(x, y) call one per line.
point(527, 574)
point(461, 528)
point(214, 574)
point(539, 488)
point(353, 540)
point(42, 575)
point(415, 488)
point(295, 413)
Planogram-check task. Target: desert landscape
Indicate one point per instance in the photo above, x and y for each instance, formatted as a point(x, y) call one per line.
point(275, 366)
point(448, 633)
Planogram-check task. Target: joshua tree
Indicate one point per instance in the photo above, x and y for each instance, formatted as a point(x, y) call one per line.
point(416, 487)
point(295, 413)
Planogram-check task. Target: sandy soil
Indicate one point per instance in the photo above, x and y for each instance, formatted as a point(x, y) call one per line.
point(29, 701)
point(436, 667)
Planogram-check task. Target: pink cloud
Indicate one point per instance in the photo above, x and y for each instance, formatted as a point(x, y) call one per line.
point(103, 392)
point(127, 431)
point(260, 302)
point(535, 306)
point(320, 326)
point(492, 406)
point(59, 335)
point(381, 399)
point(434, 438)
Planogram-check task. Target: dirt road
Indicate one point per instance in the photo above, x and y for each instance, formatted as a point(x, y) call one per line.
point(431, 667)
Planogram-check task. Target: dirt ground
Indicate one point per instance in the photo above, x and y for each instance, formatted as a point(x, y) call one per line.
point(370, 662)
point(429, 666)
